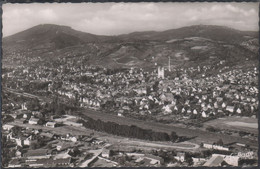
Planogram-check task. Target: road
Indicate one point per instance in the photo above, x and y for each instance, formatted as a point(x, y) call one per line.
point(151, 144)
point(22, 94)
point(184, 145)
point(96, 154)
point(63, 130)
point(29, 95)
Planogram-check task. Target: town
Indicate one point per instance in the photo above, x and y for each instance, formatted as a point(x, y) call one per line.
point(150, 84)
point(74, 115)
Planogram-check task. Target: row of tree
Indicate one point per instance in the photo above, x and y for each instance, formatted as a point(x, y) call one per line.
point(128, 131)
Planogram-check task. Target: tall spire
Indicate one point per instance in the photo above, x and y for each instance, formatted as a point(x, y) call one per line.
point(169, 64)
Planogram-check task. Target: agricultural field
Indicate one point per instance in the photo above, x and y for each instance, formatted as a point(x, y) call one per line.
point(246, 124)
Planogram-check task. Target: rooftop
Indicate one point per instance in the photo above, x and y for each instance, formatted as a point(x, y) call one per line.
point(214, 161)
point(37, 152)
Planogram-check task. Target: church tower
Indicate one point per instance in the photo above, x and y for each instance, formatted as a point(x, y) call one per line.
point(161, 72)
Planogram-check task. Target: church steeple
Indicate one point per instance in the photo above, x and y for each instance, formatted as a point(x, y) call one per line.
point(169, 64)
point(161, 72)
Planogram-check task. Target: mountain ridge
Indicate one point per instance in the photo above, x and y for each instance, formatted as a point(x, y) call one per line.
point(192, 29)
point(197, 44)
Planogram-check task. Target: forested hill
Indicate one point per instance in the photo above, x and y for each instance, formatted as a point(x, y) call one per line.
point(193, 45)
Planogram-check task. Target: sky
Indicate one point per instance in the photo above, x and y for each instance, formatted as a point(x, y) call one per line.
point(123, 18)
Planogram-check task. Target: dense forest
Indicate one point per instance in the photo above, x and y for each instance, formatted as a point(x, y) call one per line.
point(128, 131)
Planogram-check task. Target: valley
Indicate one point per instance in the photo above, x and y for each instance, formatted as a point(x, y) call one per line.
point(185, 93)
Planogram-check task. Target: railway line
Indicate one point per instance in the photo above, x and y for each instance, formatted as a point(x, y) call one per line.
point(24, 94)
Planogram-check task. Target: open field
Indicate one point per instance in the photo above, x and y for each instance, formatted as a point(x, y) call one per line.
point(197, 136)
point(246, 124)
point(183, 146)
point(143, 144)
point(242, 124)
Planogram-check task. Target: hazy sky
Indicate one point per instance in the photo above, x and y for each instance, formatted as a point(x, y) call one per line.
point(120, 18)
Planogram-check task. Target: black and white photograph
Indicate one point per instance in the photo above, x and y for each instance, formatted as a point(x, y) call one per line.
point(130, 84)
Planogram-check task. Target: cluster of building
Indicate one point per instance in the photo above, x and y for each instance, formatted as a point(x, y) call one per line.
point(86, 151)
point(26, 150)
point(33, 147)
point(180, 94)
point(135, 91)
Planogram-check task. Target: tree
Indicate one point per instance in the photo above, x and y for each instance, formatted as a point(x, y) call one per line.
point(112, 153)
point(34, 145)
point(41, 121)
point(156, 86)
point(122, 160)
point(220, 142)
point(162, 153)
point(74, 152)
point(17, 131)
point(33, 105)
point(173, 136)
point(148, 89)
point(211, 129)
point(188, 158)
point(242, 133)
point(7, 118)
point(206, 153)
point(60, 110)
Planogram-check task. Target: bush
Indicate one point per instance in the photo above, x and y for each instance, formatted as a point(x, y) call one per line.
point(88, 156)
point(7, 119)
point(247, 162)
point(242, 133)
point(212, 129)
point(220, 142)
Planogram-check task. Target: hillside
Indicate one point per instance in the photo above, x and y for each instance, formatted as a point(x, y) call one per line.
point(50, 36)
point(193, 45)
